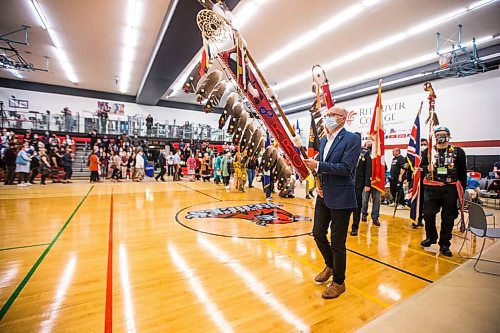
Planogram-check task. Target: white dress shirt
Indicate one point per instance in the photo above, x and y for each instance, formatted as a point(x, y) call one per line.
point(328, 145)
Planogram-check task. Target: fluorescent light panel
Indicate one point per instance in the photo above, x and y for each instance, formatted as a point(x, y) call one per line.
point(386, 42)
point(61, 54)
point(244, 14)
point(313, 34)
point(40, 15)
point(133, 15)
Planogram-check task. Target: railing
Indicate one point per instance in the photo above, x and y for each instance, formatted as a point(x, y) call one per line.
point(86, 121)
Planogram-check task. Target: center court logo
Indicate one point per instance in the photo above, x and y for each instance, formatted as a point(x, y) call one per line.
point(262, 214)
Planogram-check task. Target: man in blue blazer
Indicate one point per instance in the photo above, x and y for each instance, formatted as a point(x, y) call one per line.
point(336, 166)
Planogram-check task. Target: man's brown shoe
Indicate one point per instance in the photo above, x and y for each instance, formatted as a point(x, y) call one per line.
point(333, 290)
point(324, 275)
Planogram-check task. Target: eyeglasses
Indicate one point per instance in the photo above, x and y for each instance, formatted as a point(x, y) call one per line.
point(334, 115)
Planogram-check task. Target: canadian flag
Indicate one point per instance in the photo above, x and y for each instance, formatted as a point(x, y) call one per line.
point(378, 147)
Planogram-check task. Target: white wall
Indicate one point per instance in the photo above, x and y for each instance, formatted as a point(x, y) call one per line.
point(39, 101)
point(469, 107)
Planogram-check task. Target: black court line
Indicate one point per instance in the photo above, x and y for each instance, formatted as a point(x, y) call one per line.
point(208, 195)
point(389, 265)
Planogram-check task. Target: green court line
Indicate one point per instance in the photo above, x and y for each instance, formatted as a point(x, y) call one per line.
point(23, 283)
point(23, 247)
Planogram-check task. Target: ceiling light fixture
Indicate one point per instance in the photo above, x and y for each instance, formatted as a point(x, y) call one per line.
point(245, 13)
point(310, 36)
point(40, 15)
point(391, 40)
point(61, 54)
point(131, 40)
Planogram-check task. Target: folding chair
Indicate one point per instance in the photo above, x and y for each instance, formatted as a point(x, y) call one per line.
point(488, 213)
point(478, 226)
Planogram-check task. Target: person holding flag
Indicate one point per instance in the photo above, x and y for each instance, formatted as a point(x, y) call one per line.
point(420, 213)
point(444, 183)
point(413, 158)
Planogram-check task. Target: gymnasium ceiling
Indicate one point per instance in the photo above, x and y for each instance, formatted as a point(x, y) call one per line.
point(140, 47)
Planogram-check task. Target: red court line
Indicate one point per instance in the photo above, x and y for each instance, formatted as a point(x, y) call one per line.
point(108, 320)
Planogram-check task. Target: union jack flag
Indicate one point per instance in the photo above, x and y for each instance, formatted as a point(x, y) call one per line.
point(414, 158)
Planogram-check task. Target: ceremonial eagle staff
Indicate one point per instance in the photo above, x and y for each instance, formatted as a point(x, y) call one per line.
point(433, 121)
point(237, 62)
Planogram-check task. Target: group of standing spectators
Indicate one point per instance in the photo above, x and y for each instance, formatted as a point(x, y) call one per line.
point(31, 155)
point(117, 158)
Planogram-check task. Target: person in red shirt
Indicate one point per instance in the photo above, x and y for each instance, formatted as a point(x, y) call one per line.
point(94, 167)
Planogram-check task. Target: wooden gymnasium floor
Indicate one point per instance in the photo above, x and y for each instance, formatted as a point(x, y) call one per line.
point(137, 257)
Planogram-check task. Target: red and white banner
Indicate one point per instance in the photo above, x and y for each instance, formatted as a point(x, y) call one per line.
point(377, 135)
point(265, 111)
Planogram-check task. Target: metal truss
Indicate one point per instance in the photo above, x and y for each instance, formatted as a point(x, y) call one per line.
point(11, 58)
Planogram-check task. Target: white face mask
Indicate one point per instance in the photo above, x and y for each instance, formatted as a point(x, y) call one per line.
point(331, 123)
